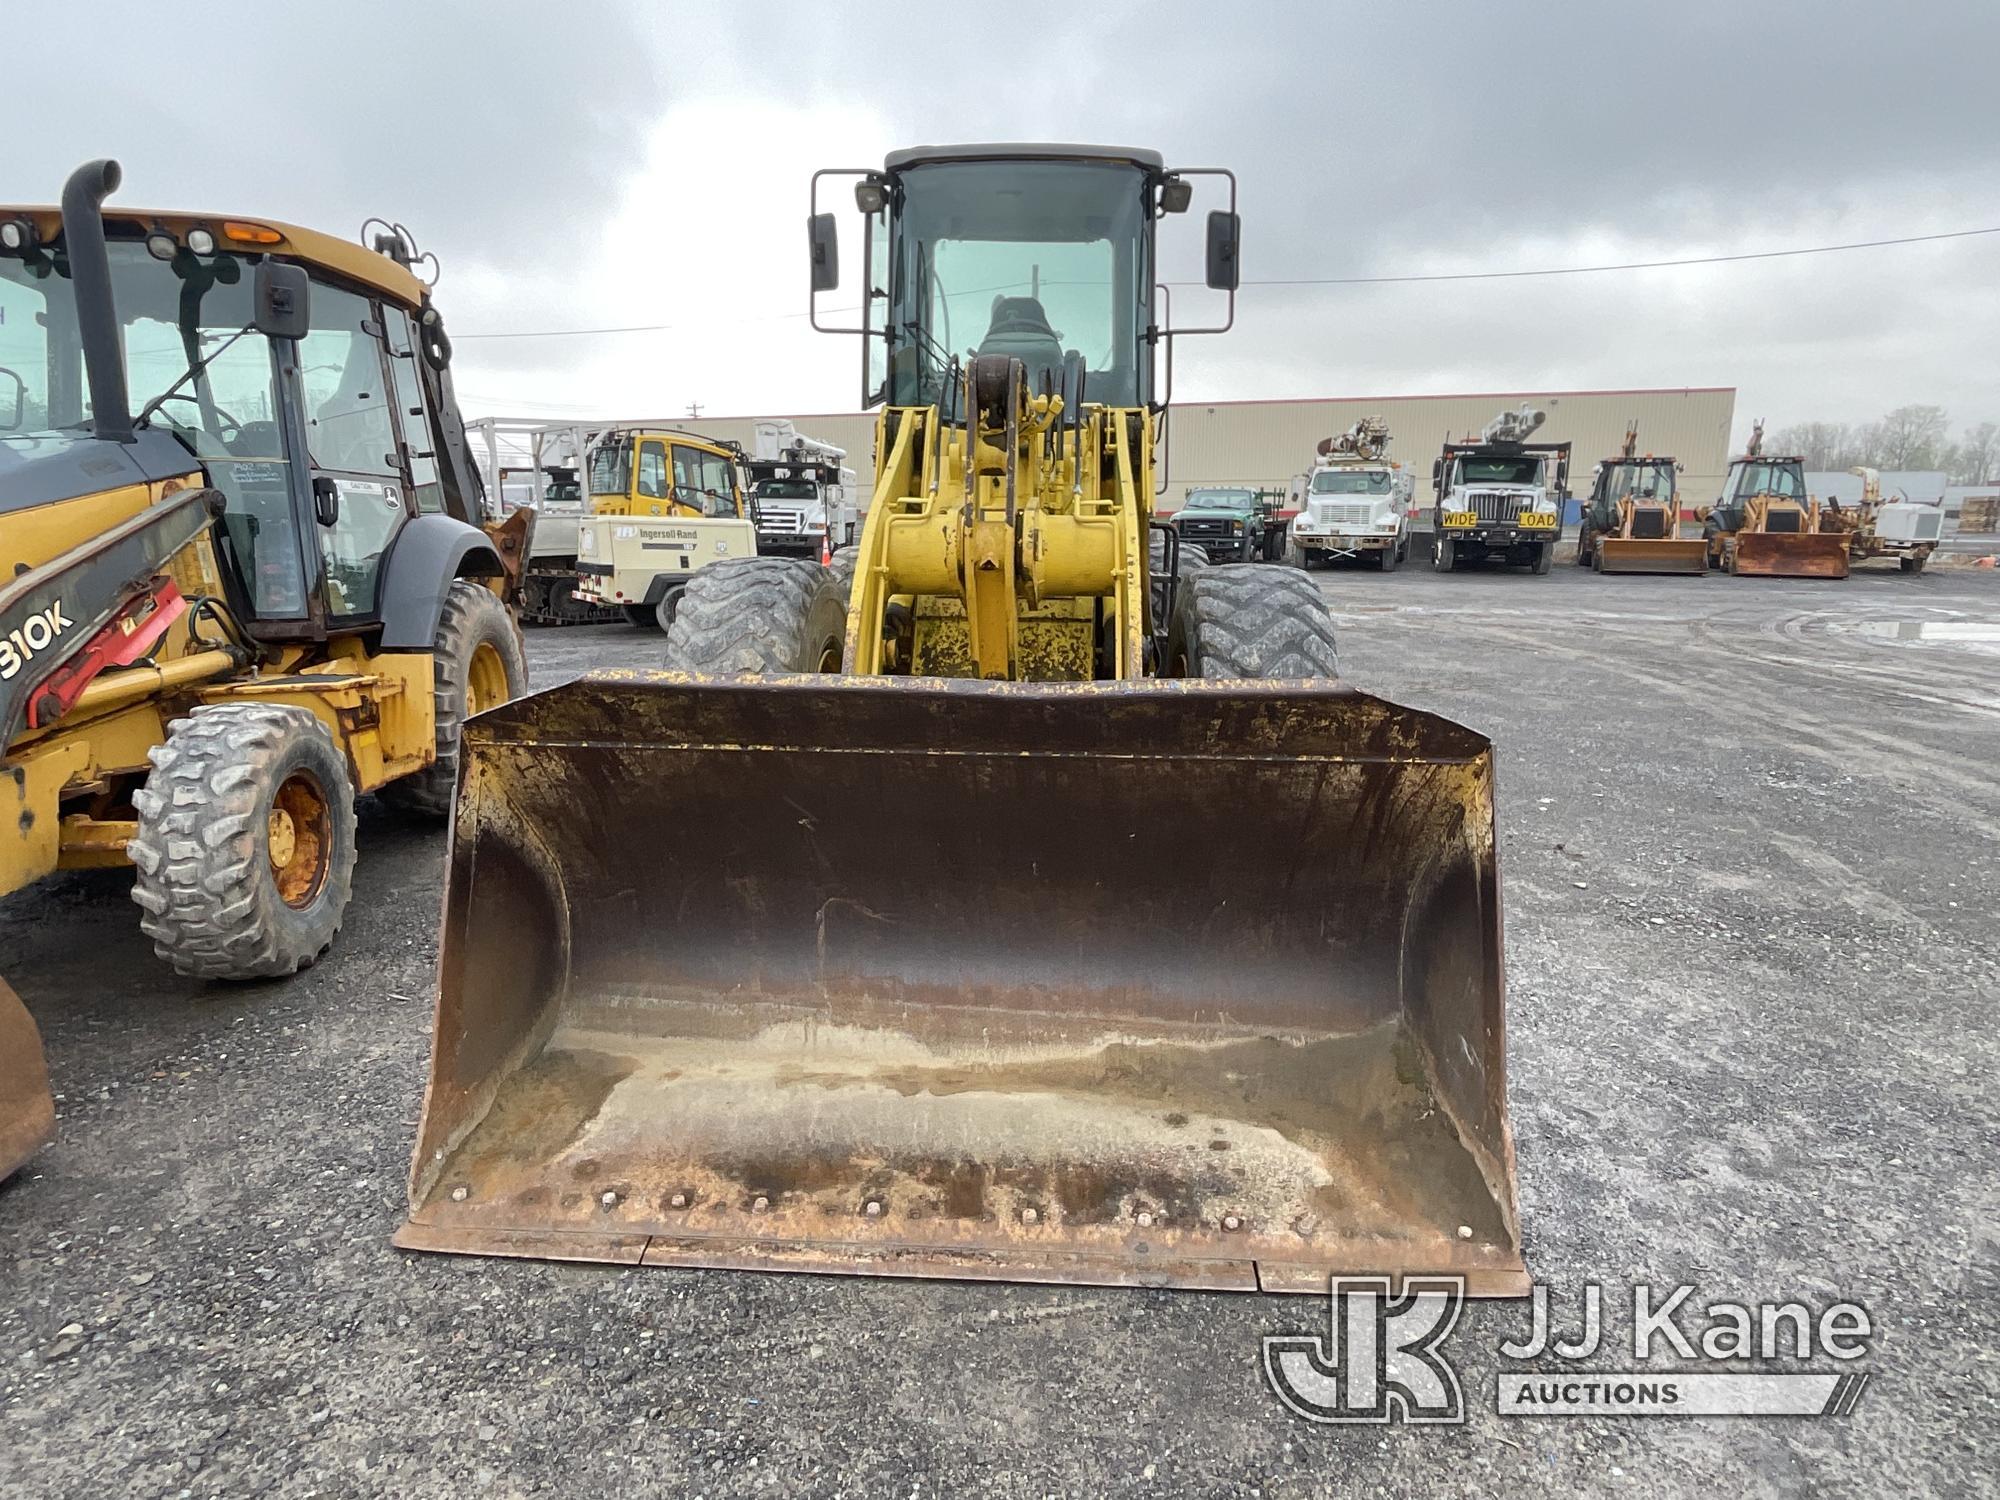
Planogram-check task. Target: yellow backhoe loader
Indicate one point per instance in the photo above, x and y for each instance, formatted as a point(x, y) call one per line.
point(1043, 909)
point(1632, 520)
point(1766, 525)
point(229, 613)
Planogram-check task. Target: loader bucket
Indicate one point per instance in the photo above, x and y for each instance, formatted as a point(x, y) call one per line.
point(1652, 555)
point(1160, 983)
point(27, 1110)
point(1790, 554)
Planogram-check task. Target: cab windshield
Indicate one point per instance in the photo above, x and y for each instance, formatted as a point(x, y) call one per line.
point(174, 314)
point(1220, 500)
point(1515, 468)
point(1046, 261)
point(787, 489)
point(1782, 479)
point(1641, 482)
point(1335, 482)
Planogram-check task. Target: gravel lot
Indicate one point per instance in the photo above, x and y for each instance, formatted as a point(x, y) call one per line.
point(1751, 839)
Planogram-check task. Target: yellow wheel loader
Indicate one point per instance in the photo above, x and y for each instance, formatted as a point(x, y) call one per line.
point(1632, 520)
point(232, 609)
point(1042, 909)
point(1766, 525)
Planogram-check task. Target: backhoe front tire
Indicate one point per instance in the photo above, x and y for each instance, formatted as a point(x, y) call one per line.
point(759, 615)
point(1256, 622)
point(476, 663)
point(245, 848)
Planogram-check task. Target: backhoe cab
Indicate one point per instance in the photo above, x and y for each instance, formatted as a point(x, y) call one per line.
point(1765, 524)
point(914, 929)
point(1631, 522)
point(245, 581)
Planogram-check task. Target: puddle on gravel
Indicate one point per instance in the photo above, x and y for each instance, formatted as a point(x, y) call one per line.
point(1928, 630)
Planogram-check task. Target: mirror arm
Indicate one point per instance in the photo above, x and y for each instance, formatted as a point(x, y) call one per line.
point(1230, 321)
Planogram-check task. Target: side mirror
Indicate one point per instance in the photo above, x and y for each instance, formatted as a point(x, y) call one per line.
point(282, 294)
point(326, 500)
point(1437, 472)
point(1224, 233)
point(825, 238)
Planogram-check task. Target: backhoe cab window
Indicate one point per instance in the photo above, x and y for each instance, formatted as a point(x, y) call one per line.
point(1771, 479)
point(174, 313)
point(1049, 262)
point(1646, 483)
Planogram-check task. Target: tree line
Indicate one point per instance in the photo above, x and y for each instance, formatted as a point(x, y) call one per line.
point(1910, 437)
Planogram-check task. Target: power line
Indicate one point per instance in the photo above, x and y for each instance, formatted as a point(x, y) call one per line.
point(1629, 265)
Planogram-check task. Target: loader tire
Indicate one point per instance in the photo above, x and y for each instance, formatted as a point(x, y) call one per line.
point(245, 849)
point(759, 614)
point(842, 566)
point(476, 664)
point(1257, 622)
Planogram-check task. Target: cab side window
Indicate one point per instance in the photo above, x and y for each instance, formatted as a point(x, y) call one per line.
point(349, 428)
point(652, 471)
point(413, 412)
point(687, 476)
point(718, 483)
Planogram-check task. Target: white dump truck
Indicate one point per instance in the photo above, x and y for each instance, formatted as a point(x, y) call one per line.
point(1353, 502)
point(800, 494)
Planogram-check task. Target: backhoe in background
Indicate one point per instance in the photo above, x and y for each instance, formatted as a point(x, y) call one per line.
point(1766, 525)
point(1041, 908)
point(231, 610)
point(1632, 520)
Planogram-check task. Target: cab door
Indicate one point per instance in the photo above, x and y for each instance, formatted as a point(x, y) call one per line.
point(358, 471)
point(652, 488)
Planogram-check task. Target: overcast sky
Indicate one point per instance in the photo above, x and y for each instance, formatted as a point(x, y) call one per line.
point(595, 164)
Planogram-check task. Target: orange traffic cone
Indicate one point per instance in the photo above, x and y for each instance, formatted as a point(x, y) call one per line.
point(825, 549)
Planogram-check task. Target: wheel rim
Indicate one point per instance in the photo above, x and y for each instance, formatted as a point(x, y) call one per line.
point(485, 680)
point(299, 839)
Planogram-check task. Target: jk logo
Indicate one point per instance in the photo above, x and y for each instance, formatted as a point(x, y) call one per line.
point(1380, 1361)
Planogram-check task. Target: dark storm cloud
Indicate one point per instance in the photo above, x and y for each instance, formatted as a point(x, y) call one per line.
point(529, 144)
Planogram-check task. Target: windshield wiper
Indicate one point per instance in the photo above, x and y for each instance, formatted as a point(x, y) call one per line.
point(190, 373)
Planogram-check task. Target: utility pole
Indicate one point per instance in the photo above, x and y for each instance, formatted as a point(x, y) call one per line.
point(694, 408)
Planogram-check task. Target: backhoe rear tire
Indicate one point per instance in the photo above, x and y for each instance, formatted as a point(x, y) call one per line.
point(1260, 621)
point(476, 663)
point(759, 615)
point(245, 849)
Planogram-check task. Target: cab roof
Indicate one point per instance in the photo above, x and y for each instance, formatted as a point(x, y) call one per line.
point(919, 156)
point(342, 257)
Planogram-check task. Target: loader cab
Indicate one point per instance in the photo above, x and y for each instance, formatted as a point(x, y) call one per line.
point(1043, 253)
point(290, 370)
